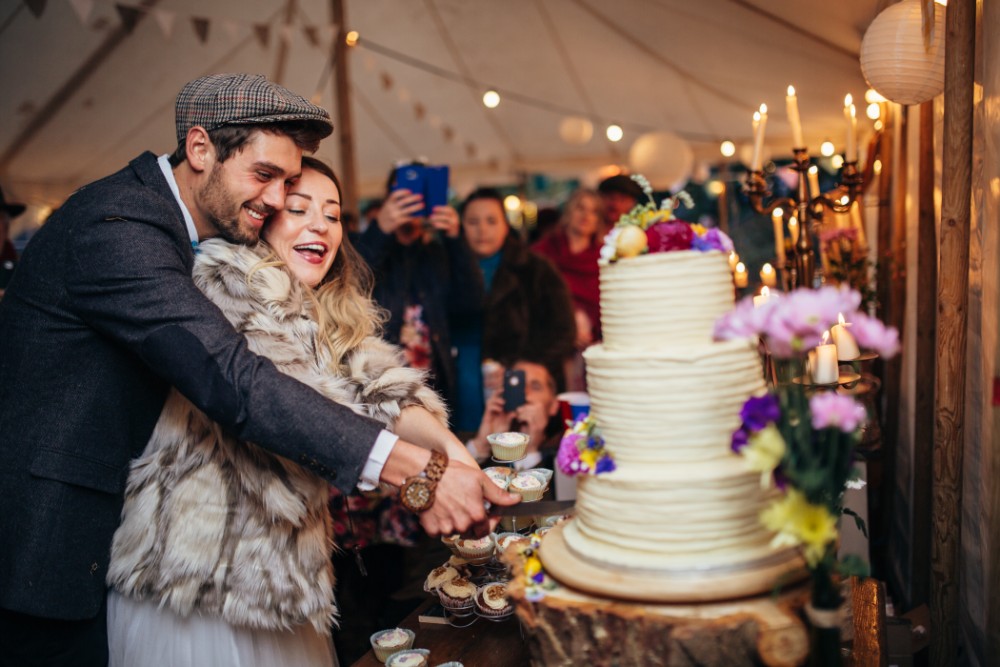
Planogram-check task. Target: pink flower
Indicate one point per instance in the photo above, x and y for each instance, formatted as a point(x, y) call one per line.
point(874, 335)
point(831, 410)
point(797, 321)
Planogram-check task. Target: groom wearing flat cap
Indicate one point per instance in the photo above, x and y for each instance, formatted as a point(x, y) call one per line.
point(102, 317)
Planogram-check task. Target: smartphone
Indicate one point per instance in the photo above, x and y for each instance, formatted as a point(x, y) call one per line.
point(429, 181)
point(513, 390)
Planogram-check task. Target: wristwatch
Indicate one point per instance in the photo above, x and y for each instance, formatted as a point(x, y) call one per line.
point(417, 492)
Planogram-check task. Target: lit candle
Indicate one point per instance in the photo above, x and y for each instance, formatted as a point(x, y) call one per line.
point(761, 298)
point(793, 229)
point(760, 122)
point(824, 368)
point(740, 276)
point(768, 276)
point(847, 347)
point(850, 115)
point(813, 181)
point(792, 106)
point(777, 218)
point(733, 260)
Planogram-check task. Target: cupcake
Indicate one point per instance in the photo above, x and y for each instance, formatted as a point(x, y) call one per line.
point(413, 657)
point(499, 476)
point(457, 594)
point(508, 446)
point(515, 541)
point(492, 601)
point(449, 541)
point(528, 485)
point(438, 577)
point(460, 564)
point(450, 663)
point(387, 642)
point(476, 550)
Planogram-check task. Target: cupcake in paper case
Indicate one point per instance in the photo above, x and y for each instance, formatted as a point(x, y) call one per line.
point(450, 663)
point(413, 657)
point(387, 642)
point(475, 550)
point(529, 485)
point(492, 601)
point(438, 577)
point(449, 541)
point(457, 594)
point(460, 564)
point(499, 475)
point(515, 541)
point(509, 446)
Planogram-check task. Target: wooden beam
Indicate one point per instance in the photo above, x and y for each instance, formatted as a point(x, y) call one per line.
point(345, 124)
point(66, 92)
point(925, 359)
point(281, 57)
point(953, 294)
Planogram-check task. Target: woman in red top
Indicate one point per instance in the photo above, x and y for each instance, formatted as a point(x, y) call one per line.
point(574, 247)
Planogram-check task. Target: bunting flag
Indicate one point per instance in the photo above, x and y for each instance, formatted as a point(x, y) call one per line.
point(82, 8)
point(129, 16)
point(448, 133)
point(200, 26)
point(165, 20)
point(419, 111)
point(36, 7)
point(312, 35)
point(386, 80)
point(263, 33)
point(470, 150)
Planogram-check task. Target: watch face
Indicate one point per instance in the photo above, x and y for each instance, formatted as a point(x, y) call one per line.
point(417, 493)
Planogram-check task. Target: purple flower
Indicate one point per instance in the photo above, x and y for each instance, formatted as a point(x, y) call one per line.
point(874, 335)
point(539, 577)
point(831, 410)
point(568, 457)
point(605, 464)
point(740, 438)
point(781, 480)
point(759, 411)
point(712, 240)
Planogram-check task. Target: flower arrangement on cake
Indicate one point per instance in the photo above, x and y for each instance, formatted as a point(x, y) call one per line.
point(582, 451)
point(802, 438)
point(649, 228)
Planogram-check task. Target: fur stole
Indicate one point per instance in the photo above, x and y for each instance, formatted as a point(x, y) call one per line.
point(223, 527)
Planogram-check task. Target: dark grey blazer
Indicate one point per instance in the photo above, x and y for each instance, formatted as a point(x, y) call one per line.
point(100, 318)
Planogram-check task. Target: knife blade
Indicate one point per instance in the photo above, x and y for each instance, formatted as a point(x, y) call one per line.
point(534, 508)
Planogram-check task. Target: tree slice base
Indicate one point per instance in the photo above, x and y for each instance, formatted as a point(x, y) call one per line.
point(694, 586)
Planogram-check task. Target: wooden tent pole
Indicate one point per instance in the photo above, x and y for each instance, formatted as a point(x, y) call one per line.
point(925, 357)
point(345, 124)
point(953, 293)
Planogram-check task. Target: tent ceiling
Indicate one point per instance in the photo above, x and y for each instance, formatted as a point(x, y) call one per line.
point(697, 69)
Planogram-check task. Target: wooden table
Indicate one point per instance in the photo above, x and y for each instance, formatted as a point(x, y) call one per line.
point(497, 644)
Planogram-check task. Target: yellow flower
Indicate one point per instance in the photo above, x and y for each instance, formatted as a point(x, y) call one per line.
point(799, 522)
point(532, 566)
point(589, 457)
point(764, 452)
point(700, 230)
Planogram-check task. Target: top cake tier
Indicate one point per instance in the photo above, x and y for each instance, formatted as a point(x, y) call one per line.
point(664, 298)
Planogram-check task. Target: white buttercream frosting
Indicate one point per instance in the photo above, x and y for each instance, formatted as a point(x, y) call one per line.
point(667, 399)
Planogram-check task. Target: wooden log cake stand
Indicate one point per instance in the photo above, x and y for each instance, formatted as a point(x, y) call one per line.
point(568, 626)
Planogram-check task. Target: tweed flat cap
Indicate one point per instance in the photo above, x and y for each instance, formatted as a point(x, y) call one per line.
point(242, 99)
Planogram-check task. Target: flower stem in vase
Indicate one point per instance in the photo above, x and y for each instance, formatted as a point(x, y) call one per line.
point(824, 617)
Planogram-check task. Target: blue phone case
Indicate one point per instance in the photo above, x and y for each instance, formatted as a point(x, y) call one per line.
point(431, 182)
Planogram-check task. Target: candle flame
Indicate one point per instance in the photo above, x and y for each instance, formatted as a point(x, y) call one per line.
point(764, 291)
point(854, 112)
point(826, 337)
point(767, 268)
point(791, 91)
point(777, 213)
point(756, 116)
point(741, 267)
point(848, 100)
point(763, 109)
point(814, 169)
point(843, 322)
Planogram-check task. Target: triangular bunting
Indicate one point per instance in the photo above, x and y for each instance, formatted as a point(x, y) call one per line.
point(165, 20)
point(386, 80)
point(128, 15)
point(312, 34)
point(231, 29)
point(83, 8)
point(449, 133)
point(36, 7)
point(470, 150)
point(201, 27)
point(419, 111)
point(263, 33)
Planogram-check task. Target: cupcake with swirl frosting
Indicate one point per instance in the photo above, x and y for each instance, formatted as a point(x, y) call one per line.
point(414, 657)
point(457, 594)
point(492, 601)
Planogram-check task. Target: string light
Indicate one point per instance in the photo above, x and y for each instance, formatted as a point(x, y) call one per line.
point(615, 133)
point(826, 148)
point(352, 38)
point(728, 148)
point(878, 125)
point(512, 202)
point(491, 99)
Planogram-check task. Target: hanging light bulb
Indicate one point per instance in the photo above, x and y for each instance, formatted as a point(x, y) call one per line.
point(491, 99)
point(615, 133)
point(826, 148)
point(352, 37)
point(728, 148)
point(874, 110)
point(837, 161)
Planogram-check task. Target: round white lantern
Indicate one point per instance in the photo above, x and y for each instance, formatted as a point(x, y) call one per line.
point(664, 158)
point(894, 60)
point(576, 130)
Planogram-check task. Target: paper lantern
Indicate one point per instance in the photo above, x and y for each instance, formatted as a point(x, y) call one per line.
point(663, 158)
point(576, 130)
point(894, 60)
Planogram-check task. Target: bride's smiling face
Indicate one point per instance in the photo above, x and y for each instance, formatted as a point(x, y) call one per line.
point(307, 233)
